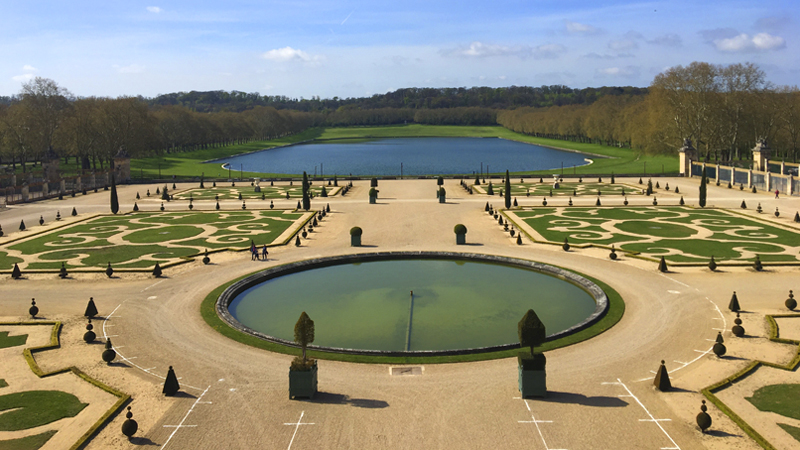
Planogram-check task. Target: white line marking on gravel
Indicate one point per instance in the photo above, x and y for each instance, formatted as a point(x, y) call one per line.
point(653, 419)
point(180, 425)
point(128, 360)
point(537, 422)
point(297, 427)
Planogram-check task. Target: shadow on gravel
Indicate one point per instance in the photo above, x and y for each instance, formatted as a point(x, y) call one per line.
point(720, 433)
point(141, 441)
point(341, 399)
point(182, 394)
point(580, 399)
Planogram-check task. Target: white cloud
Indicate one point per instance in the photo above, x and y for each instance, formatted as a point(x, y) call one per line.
point(29, 68)
point(287, 54)
point(154, 9)
point(621, 45)
point(548, 51)
point(580, 28)
point(626, 72)
point(747, 43)
point(481, 50)
point(23, 78)
point(132, 68)
point(667, 40)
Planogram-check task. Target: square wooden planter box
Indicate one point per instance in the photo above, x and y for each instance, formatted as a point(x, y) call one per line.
point(302, 384)
point(532, 383)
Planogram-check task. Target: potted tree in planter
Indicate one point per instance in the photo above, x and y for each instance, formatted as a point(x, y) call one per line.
point(532, 377)
point(373, 195)
point(355, 236)
point(442, 195)
point(303, 371)
point(461, 234)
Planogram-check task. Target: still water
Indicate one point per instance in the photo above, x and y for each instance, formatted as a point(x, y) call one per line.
point(456, 304)
point(418, 156)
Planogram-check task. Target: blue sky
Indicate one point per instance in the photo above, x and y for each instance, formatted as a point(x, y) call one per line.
point(357, 48)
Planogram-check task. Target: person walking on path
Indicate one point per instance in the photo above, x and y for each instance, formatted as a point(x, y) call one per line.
point(264, 253)
point(776, 193)
point(253, 252)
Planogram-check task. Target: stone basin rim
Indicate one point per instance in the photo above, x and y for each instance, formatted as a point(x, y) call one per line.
point(227, 296)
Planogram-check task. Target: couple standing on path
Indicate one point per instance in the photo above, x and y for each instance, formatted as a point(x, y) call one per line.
point(254, 252)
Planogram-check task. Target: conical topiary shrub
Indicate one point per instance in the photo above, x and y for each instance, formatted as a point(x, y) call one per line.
point(743, 205)
point(63, 272)
point(677, 191)
point(135, 206)
point(662, 265)
point(661, 381)
point(733, 305)
point(217, 206)
point(757, 264)
point(796, 218)
point(109, 354)
point(738, 329)
point(597, 203)
point(16, 273)
point(109, 270)
point(171, 385)
point(519, 239)
point(712, 264)
point(157, 271)
point(703, 419)
point(91, 309)
point(33, 310)
point(681, 202)
point(297, 241)
point(21, 225)
point(790, 302)
point(129, 427)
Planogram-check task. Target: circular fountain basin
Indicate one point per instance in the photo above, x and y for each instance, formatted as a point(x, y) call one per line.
point(397, 303)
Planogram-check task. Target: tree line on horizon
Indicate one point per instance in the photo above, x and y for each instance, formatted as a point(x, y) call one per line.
point(724, 110)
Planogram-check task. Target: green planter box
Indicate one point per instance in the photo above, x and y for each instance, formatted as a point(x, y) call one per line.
point(461, 239)
point(373, 200)
point(355, 240)
point(442, 199)
point(532, 383)
point(303, 384)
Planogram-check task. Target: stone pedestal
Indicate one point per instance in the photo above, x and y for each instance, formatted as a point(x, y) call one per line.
point(686, 155)
point(761, 154)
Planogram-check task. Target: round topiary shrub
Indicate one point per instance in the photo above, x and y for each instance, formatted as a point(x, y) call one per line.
point(460, 229)
point(356, 231)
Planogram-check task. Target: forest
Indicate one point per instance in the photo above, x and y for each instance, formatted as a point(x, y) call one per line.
point(724, 110)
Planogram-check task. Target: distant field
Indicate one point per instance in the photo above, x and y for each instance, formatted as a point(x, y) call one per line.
point(189, 165)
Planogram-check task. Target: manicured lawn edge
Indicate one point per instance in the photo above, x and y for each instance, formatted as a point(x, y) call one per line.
point(792, 365)
point(616, 309)
point(122, 398)
point(184, 259)
point(638, 255)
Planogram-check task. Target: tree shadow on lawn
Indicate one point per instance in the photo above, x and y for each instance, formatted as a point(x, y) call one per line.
point(580, 399)
point(341, 399)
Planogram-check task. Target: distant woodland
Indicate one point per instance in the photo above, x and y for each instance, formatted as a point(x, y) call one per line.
point(723, 109)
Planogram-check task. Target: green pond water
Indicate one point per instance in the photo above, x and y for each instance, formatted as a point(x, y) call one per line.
point(368, 306)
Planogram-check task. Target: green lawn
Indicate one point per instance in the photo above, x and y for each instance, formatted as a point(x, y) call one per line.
point(565, 189)
point(783, 399)
point(139, 240)
point(681, 235)
point(618, 160)
point(30, 409)
point(269, 190)
point(34, 442)
point(793, 431)
point(12, 341)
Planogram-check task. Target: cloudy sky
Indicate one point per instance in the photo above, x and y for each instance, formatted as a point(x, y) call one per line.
point(356, 48)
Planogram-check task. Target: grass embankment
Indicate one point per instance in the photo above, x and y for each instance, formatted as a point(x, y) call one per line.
point(617, 160)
